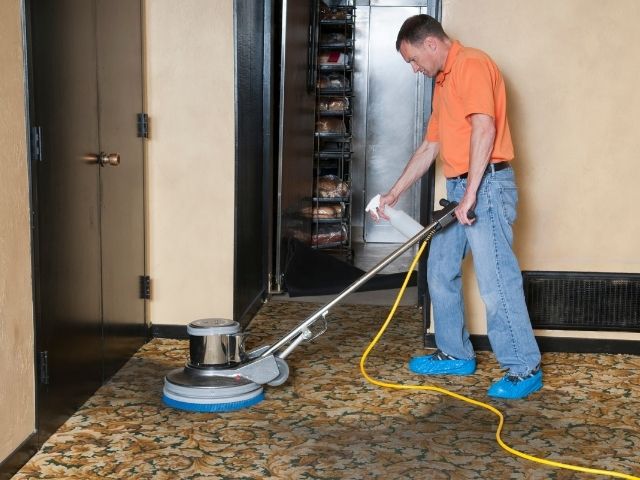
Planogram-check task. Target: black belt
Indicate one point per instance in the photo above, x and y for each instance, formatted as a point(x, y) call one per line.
point(492, 167)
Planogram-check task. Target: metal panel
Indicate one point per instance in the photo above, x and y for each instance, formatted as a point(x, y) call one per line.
point(296, 127)
point(119, 50)
point(393, 119)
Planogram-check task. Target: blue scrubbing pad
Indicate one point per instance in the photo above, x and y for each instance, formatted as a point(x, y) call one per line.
point(213, 407)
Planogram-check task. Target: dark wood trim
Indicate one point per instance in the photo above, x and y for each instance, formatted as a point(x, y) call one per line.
point(21, 455)
point(588, 345)
point(169, 331)
point(561, 344)
point(254, 306)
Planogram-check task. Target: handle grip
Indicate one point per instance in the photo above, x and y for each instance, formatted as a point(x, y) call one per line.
point(444, 202)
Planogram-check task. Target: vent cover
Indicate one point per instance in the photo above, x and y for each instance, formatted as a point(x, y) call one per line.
point(583, 301)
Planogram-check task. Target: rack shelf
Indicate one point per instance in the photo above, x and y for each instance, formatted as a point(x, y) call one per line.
point(325, 221)
point(342, 137)
point(332, 199)
point(337, 23)
point(333, 92)
point(337, 67)
point(335, 45)
point(329, 246)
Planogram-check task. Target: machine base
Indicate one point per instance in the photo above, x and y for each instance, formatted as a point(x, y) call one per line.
point(201, 390)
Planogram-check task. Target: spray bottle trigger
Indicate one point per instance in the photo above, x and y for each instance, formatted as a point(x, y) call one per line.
point(373, 205)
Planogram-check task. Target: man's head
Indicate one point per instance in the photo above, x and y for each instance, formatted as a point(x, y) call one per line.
point(423, 44)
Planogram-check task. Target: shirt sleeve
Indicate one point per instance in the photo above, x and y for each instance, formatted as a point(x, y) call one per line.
point(433, 133)
point(475, 87)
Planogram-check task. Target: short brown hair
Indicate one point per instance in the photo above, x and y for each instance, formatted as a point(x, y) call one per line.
point(415, 29)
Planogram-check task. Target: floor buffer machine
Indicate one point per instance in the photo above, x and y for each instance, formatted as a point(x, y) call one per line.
point(221, 376)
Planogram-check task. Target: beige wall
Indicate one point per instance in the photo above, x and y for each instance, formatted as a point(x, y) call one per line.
point(191, 158)
point(572, 70)
point(17, 389)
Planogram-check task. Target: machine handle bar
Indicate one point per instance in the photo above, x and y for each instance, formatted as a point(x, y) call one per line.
point(443, 218)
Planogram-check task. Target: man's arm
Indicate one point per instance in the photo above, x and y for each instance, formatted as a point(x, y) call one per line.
point(417, 166)
point(483, 134)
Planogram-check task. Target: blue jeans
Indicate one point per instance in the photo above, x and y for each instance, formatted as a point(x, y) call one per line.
point(499, 278)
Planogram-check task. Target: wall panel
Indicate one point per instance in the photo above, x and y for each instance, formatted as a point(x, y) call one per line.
point(17, 389)
point(571, 70)
point(190, 80)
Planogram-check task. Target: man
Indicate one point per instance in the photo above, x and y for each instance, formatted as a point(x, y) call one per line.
point(469, 128)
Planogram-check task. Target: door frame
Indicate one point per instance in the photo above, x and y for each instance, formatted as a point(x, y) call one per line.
point(35, 232)
point(253, 156)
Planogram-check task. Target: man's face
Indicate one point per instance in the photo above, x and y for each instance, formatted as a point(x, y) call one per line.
point(421, 57)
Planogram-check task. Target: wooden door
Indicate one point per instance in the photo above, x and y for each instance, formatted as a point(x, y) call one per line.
point(119, 47)
point(85, 90)
point(69, 279)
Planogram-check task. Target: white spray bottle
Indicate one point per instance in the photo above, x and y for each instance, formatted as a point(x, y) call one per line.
point(398, 219)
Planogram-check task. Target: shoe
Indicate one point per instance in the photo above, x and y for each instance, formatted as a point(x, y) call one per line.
point(439, 363)
point(515, 387)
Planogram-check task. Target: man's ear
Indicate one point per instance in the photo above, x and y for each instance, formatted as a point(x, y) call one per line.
point(429, 43)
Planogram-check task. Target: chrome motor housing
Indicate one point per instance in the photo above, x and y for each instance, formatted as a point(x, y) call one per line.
point(215, 343)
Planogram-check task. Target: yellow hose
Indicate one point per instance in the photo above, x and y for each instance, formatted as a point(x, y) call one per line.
point(477, 403)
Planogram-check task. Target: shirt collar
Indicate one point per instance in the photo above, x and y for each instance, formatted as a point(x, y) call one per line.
point(456, 46)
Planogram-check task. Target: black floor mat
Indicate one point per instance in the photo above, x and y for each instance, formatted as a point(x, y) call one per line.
point(312, 272)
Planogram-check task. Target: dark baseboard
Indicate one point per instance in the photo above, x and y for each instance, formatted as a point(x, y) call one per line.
point(251, 310)
point(561, 344)
point(21, 455)
point(169, 331)
point(588, 345)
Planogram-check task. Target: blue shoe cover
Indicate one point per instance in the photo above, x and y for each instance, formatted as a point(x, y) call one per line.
point(513, 387)
point(434, 365)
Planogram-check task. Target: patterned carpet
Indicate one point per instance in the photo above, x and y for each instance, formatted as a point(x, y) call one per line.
point(326, 422)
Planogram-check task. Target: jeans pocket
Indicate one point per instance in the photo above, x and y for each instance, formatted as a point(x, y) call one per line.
point(509, 202)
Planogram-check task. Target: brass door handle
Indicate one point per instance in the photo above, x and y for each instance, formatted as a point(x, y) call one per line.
point(106, 159)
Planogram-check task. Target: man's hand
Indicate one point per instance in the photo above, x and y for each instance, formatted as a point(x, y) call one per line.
point(467, 203)
point(388, 198)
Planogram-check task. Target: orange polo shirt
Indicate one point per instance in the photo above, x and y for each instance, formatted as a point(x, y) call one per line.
point(469, 83)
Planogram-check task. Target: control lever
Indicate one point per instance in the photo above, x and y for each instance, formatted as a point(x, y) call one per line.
point(447, 215)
